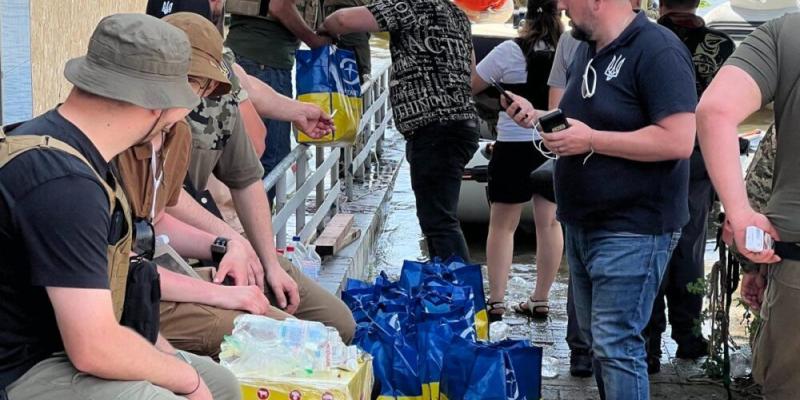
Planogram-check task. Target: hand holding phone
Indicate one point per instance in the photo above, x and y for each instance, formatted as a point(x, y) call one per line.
point(756, 240)
point(553, 121)
point(501, 90)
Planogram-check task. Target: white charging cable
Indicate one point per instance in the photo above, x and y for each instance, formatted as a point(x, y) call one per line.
point(538, 144)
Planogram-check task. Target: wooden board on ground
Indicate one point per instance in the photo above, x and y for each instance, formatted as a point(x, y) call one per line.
point(338, 233)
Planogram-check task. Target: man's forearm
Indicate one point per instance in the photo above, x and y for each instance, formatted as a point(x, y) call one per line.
point(134, 359)
point(650, 144)
point(554, 97)
point(254, 212)
point(186, 239)
point(720, 146)
point(185, 289)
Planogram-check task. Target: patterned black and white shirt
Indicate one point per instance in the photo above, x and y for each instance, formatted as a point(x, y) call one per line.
point(431, 46)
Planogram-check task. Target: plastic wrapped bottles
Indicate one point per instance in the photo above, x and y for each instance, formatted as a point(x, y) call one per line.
point(260, 346)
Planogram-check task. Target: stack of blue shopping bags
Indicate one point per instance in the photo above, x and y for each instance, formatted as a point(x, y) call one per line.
point(428, 336)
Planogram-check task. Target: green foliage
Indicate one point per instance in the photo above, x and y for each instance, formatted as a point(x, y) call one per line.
point(698, 287)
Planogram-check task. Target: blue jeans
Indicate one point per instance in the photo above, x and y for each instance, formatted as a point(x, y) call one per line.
point(278, 141)
point(615, 278)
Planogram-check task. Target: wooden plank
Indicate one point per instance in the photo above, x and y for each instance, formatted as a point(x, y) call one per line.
point(336, 235)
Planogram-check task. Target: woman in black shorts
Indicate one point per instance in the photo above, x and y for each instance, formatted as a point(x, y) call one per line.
point(522, 66)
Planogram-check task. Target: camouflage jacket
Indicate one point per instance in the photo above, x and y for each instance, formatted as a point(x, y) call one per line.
point(220, 144)
point(758, 182)
point(213, 121)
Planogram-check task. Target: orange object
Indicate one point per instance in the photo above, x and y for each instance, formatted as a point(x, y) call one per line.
point(480, 5)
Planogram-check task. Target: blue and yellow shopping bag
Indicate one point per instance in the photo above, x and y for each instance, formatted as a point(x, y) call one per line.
point(328, 77)
point(457, 272)
point(508, 370)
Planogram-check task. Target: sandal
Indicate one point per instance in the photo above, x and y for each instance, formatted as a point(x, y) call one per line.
point(495, 311)
point(535, 309)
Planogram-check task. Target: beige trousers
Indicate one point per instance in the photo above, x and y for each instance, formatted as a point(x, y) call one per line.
point(200, 328)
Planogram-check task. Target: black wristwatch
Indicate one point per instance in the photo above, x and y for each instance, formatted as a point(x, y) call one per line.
point(219, 248)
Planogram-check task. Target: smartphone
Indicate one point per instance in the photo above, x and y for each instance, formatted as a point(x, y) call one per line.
point(553, 121)
point(501, 90)
point(756, 240)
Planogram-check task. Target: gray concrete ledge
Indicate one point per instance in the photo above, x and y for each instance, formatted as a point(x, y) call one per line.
point(370, 208)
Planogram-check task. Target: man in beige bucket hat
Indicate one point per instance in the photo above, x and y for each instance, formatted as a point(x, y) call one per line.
point(65, 228)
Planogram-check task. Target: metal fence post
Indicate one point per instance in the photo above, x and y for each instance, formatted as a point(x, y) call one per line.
point(380, 114)
point(335, 173)
point(348, 174)
point(300, 179)
point(319, 158)
point(280, 202)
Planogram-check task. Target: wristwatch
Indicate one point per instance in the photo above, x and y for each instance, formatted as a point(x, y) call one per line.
point(219, 248)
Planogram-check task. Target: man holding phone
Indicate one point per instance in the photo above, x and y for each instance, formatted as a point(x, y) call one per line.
point(622, 179)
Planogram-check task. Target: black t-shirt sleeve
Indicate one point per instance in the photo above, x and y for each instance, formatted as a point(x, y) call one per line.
point(758, 57)
point(667, 85)
point(65, 225)
point(393, 16)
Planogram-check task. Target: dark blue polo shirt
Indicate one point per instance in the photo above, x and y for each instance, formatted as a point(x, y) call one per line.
point(643, 76)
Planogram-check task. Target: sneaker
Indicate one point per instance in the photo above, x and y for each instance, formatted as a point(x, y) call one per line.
point(693, 350)
point(653, 365)
point(580, 365)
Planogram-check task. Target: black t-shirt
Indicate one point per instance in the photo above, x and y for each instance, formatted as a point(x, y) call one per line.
point(54, 231)
point(431, 46)
point(162, 8)
point(710, 49)
point(642, 77)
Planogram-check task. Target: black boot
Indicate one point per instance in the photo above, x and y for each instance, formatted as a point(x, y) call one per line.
point(692, 350)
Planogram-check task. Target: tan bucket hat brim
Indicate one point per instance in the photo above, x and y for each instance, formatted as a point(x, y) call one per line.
point(205, 66)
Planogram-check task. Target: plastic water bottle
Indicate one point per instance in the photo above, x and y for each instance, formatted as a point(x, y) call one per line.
point(498, 331)
point(549, 368)
point(306, 259)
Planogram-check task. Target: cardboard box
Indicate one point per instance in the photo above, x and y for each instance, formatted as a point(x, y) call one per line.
point(335, 385)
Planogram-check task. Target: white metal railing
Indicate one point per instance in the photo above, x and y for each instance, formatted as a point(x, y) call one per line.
point(375, 118)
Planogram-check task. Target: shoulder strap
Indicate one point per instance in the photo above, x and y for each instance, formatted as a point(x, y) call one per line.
point(13, 146)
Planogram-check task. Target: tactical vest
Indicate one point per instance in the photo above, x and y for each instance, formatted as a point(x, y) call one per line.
point(119, 253)
point(309, 10)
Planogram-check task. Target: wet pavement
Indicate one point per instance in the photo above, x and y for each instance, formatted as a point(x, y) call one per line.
point(402, 240)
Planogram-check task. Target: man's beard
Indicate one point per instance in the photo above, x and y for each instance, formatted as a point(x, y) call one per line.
point(579, 33)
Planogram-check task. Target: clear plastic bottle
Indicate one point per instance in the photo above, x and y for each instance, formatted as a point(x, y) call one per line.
point(306, 259)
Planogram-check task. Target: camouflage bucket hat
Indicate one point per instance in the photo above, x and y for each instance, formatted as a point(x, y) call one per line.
point(206, 45)
point(137, 59)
